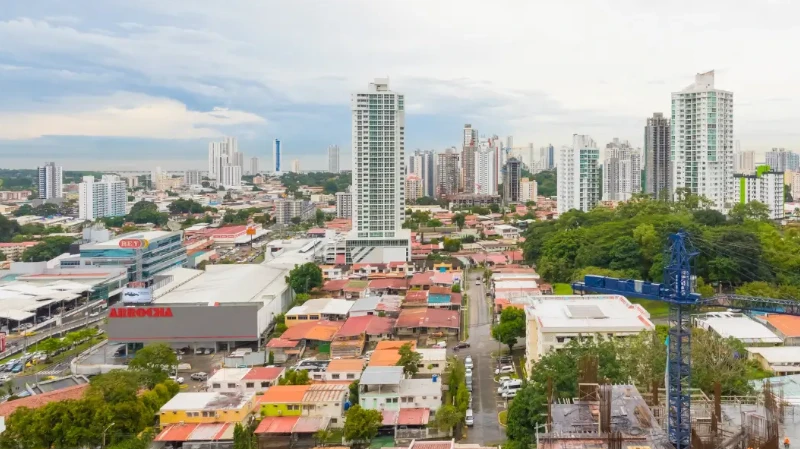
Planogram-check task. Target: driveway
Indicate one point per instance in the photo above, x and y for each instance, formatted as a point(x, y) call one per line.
point(484, 400)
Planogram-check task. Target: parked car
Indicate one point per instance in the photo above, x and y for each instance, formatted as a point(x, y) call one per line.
point(17, 368)
point(468, 363)
point(208, 351)
point(469, 419)
point(504, 360)
point(478, 282)
point(460, 345)
point(177, 379)
point(505, 369)
point(198, 351)
point(503, 379)
point(509, 384)
point(510, 394)
point(201, 376)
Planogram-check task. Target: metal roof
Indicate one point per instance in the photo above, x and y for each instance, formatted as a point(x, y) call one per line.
point(382, 375)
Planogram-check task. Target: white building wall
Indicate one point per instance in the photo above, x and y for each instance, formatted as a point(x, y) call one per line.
point(485, 182)
point(528, 190)
point(104, 198)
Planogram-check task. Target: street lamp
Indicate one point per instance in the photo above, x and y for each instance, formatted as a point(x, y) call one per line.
point(104, 434)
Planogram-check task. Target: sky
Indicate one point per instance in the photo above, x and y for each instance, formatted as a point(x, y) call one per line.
point(123, 84)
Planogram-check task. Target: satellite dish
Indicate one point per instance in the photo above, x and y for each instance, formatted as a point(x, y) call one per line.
point(173, 226)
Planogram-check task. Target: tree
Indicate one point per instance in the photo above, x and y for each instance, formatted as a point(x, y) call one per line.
point(48, 248)
point(271, 358)
point(354, 392)
point(156, 362)
point(460, 220)
point(295, 377)
point(361, 425)
point(433, 223)
point(305, 278)
point(456, 288)
point(319, 217)
point(754, 210)
point(495, 208)
point(409, 359)
point(447, 417)
point(452, 245)
point(243, 437)
point(511, 327)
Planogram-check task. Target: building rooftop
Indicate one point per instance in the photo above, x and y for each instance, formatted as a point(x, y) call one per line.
point(201, 400)
point(284, 394)
point(787, 325)
point(366, 304)
point(596, 313)
point(313, 330)
point(228, 284)
point(432, 354)
point(420, 386)
point(264, 373)
point(738, 326)
point(229, 375)
point(147, 235)
point(58, 384)
point(345, 365)
point(325, 392)
point(196, 432)
point(366, 324)
point(428, 318)
point(382, 375)
point(787, 356)
point(325, 306)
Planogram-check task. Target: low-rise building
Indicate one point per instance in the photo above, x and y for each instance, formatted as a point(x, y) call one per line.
point(317, 400)
point(434, 361)
point(330, 309)
point(781, 360)
point(244, 380)
point(13, 250)
point(507, 231)
point(738, 326)
point(427, 321)
point(347, 370)
point(386, 388)
point(786, 327)
point(206, 407)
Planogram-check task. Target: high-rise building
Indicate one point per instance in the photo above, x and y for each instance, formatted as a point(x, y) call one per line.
point(231, 176)
point(795, 183)
point(344, 204)
point(447, 173)
point(530, 158)
point(192, 177)
point(622, 171)
point(253, 166)
point(766, 187)
point(333, 159)
point(512, 174)
point(295, 165)
point(578, 175)
point(286, 209)
point(484, 177)
point(414, 189)
point(51, 181)
point(470, 137)
point(510, 142)
point(547, 157)
point(745, 162)
point(702, 142)
point(528, 190)
point(781, 160)
point(378, 165)
point(276, 156)
point(104, 198)
point(657, 170)
point(468, 168)
point(222, 154)
point(421, 164)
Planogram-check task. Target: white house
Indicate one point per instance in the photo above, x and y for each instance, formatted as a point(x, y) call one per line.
point(244, 380)
point(434, 361)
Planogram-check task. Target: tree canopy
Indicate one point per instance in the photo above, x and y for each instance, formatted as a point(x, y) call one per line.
point(511, 326)
point(409, 359)
point(155, 363)
point(304, 278)
point(48, 248)
point(361, 425)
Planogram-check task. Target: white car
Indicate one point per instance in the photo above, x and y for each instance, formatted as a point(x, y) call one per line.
point(468, 363)
point(506, 369)
point(509, 394)
point(478, 282)
point(502, 380)
point(469, 419)
point(177, 379)
point(509, 384)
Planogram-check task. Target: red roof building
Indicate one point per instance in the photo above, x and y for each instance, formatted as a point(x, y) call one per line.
point(40, 400)
point(415, 321)
point(422, 280)
point(367, 324)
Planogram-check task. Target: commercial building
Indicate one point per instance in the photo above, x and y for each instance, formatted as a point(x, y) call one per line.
point(745, 162)
point(276, 156)
point(702, 142)
point(484, 177)
point(333, 159)
point(447, 173)
point(286, 209)
point(218, 308)
point(528, 190)
point(104, 198)
point(657, 169)
point(51, 179)
point(553, 321)
point(414, 187)
point(511, 176)
point(622, 171)
point(344, 204)
point(421, 163)
point(192, 177)
point(578, 175)
point(378, 177)
point(328, 309)
point(766, 186)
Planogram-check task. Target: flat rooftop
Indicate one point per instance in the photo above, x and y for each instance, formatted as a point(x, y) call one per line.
point(326, 306)
point(228, 284)
point(594, 313)
point(147, 235)
point(738, 326)
point(207, 401)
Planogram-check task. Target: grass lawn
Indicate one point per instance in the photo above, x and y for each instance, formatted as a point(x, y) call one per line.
point(562, 289)
point(657, 309)
point(503, 417)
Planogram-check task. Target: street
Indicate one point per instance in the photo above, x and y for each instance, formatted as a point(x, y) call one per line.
point(487, 429)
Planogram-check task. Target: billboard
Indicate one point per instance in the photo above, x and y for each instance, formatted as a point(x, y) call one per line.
point(133, 243)
point(189, 323)
point(137, 295)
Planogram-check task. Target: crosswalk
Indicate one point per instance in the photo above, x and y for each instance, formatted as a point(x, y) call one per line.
point(55, 370)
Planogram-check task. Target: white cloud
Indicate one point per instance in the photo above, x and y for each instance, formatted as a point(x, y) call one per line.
point(121, 115)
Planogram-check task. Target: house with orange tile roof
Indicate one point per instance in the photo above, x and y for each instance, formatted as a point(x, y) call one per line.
point(313, 333)
point(347, 370)
point(427, 321)
point(282, 349)
point(786, 327)
point(40, 400)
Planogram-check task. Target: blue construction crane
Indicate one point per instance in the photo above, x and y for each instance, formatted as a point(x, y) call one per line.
point(677, 291)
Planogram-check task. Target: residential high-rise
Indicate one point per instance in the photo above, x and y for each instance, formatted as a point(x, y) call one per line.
point(276, 156)
point(468, 168)
point(286, 209)
point(547, 157)
point(484, 177)
point(657, 168)
point(781, 160)
point(192, 177)
point(578, 175)
point(795, 183)
point(512, 174)
point(530, 159)
point(447, 173)
point(510, 142)
point(253, 166)
point(295, 165)
point(470, 137)
point(766, 187)
point(222, 154)
point(421, 164)
point(414, 189)
point(344, 204)
point(702, 142)
point(51, 181)
point(378, 165)
point(104, 198)
point(333, 159)
point(231, 176)
point(745, 162)
point(528, 190)
point(622, 171)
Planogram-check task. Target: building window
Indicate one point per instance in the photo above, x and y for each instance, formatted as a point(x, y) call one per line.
point(250, 384)
point(351, 376)
point(230, 385)
point(215, 385)
point(334, 421)
point(264, 384)
point(334, 376)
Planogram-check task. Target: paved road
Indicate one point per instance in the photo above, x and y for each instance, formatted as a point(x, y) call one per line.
point(486, 429)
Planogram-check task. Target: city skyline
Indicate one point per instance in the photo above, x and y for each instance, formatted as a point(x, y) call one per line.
point(67, 71)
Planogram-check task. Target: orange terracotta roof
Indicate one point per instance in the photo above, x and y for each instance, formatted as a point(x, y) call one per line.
point(284, 394)
point(40, 400)
point(348, 365)
point(394, 344)
point(388, 357)
point(787, 325)
point(313, 330)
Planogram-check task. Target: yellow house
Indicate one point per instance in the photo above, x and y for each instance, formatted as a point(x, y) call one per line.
point(283, 400)
point(207, 407)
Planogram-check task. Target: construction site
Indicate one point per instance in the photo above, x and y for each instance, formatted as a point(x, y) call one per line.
point(606, 416)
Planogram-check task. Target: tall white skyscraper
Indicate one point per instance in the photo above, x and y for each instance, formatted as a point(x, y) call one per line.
point(702, 141)
point(378, 164)
point(276, 156)
point(766, 187)
point(231, 176)
point(622, 171)
point(485, 171)
point(333, 159)
point(222, 154)
point(104, 198)
point(530, 157)
point(51, 181)
point(578, 176)
point(295, 165)
point(253, 166)
point(510, 142)
point(192, 177)
point(547, 157)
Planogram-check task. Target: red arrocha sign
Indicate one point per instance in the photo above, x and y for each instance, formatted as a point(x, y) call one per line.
point(140, 312)
point(133, 243)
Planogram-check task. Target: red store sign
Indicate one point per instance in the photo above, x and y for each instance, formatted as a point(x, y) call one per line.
point(140, 312)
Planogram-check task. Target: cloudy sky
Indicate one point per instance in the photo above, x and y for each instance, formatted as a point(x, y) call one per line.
point(125, 84)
